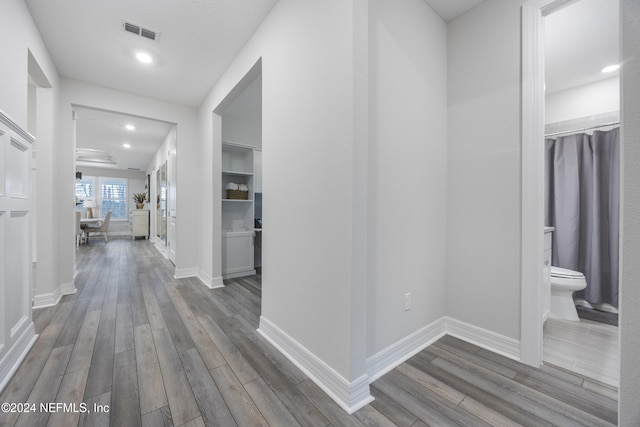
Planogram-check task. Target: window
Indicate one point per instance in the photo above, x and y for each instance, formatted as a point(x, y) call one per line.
point(108, 193)
point(113, 197)
point(85, 190)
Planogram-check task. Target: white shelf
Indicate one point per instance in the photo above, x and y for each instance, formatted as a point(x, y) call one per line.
point(237, 173)
point(237, 214)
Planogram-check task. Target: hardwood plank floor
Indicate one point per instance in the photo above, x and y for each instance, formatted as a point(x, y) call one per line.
point(150, 350)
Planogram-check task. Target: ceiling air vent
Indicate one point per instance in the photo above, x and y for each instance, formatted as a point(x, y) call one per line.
point(140, 31)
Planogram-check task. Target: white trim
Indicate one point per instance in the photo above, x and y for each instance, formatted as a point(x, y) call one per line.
point(397, 353)
point(48, 299)
point(14, 357)
point(351, 396)
point(68, 288)
point(183, 273)
point(532, 183)
point(210, 281)
point(484, 338)
point(52, 298)
point(240, 272)
point(6, 120)
point(532, 136)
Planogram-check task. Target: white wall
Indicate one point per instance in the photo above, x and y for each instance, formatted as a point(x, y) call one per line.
point(407, 170)
point(79, 93)
point(484, 246)
point(629, 413)
point(242, 119)
point(583, 101)
point(17, 25)
point(21, 45)
point(307, 133)
point(242, 131)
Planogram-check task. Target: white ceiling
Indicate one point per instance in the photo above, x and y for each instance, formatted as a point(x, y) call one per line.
point(450, 9)
point(105, 131)
point(198, 39)
point(580, 40)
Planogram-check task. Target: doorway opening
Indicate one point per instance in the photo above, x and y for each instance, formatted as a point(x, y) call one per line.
point(537, 13)
point(241, 198)
point(119, 155)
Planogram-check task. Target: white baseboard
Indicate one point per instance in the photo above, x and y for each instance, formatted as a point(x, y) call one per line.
point(14, 357)
point(351, 396)
point(397, 353)
point(239, 273)
point(488, 340)
point(182, 273)
point(52, 298)
point(48, 299)
point(210, 281)
point(68, 288)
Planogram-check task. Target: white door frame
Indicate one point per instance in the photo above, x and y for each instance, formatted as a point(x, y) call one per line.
point(532, 128)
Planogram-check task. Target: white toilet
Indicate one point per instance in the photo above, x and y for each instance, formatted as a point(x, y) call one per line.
point(563, 284)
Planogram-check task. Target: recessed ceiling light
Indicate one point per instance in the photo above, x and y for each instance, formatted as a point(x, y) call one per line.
point(130, 127)
point(126, 145)
point(610, 68)
point(144, 57)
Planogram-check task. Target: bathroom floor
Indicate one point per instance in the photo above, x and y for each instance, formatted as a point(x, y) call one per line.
point(585, 347)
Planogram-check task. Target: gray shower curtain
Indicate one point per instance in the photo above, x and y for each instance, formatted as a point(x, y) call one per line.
point(582, 182)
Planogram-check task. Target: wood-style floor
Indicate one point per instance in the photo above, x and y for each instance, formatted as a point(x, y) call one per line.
point(151, 350)
point(586, 347)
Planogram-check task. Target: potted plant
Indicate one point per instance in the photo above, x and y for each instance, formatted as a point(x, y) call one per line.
point(139, 198)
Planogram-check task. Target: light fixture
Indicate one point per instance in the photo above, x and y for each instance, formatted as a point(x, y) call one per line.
point(126, 145)
point(611, 68)
point(130, 127)
point(144, 57)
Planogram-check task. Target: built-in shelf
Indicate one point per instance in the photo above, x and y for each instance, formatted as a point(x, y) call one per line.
point(237, 173)
point(237, 214)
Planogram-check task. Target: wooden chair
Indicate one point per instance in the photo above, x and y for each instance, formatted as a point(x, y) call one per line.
point(80, 236)
point(102, 229)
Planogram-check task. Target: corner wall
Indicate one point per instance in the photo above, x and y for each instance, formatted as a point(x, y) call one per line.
point(307, 141)
point(407, 174)
point(484, 176)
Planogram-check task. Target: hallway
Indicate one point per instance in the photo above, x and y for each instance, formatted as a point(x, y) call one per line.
point(141, 348)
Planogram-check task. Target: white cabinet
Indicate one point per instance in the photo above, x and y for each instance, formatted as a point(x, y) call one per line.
point(546, 275)
point(237, 254)
point(237, 213)
point(139, 222)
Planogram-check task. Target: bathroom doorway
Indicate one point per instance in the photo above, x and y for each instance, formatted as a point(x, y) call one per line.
point(533, 131)
point(582, 98)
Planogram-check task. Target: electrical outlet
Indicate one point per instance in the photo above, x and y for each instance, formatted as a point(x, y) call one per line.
point(407, 301)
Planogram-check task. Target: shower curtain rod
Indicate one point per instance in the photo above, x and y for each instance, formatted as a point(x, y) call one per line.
point(583, 129)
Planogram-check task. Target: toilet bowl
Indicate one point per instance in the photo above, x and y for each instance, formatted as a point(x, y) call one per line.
point(563, 284)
